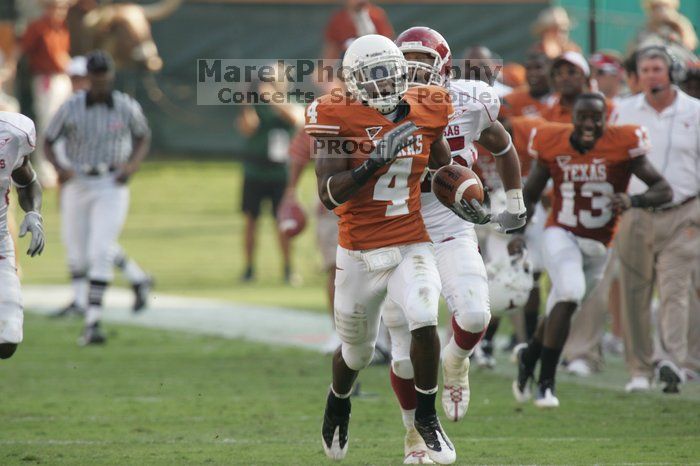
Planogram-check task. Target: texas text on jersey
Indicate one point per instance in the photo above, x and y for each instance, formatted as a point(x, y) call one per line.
point(386, 210)
point(584, 182)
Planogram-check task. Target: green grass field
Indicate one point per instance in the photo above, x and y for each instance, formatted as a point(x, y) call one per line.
point(157, 397)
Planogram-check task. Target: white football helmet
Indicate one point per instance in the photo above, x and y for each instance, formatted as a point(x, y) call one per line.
point(375, 71)
point(510, 282)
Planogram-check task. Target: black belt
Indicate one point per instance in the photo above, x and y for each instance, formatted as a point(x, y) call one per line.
point(97, 172)
point(674, 206)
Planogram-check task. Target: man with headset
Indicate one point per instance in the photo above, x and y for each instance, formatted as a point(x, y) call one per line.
point(661, 246)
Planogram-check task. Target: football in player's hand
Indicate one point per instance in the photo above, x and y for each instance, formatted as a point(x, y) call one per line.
point(452, 183)
point(291, 218)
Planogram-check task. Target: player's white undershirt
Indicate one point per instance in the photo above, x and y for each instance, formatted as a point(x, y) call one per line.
point(476, 106)
point(17, 139)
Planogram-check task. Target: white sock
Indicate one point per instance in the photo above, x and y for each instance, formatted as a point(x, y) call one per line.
point(454, 352)
point(80, 292)
point(93, 315)
point(408, 416)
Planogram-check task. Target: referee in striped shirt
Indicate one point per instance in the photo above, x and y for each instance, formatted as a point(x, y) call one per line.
point(106, 139)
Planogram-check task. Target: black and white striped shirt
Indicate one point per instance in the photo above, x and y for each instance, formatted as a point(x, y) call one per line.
point(98, 135)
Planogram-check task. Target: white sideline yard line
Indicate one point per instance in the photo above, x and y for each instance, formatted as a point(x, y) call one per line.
point(269, 325)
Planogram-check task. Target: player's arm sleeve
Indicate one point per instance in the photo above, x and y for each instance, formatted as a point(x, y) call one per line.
point(137, 120)
point(489, 104)
point(640, 143)
point(57, 125)
point(27, 137)
point(320, 120)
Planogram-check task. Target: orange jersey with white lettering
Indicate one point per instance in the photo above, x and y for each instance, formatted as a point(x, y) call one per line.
point(385, 211)
point(584, 182)
point(521, 103)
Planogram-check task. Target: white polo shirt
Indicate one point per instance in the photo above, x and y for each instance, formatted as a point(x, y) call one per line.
point(675, 141)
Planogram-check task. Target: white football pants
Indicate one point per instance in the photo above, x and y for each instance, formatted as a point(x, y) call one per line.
point(408, 274)
point(93, 211)
point(11, 312)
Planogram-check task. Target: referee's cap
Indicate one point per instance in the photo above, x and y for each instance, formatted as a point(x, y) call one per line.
point(99, 61)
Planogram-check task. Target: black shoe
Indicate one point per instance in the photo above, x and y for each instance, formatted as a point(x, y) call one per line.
point(334, 434)
point(248, 275)
point(141, 291)
point(440, 448)
point(71, 310)
point(670, 376)
point(92, 335)
point(521, 385)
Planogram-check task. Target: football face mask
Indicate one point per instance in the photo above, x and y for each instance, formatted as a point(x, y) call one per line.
point(423, 69)
point(380, 82)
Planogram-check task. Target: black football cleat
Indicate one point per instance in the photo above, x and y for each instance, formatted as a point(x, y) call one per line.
point(521, 385)
point(334, 434)
point(670, 375)
point(141, 292)
point(92, 335)
point(440, 448)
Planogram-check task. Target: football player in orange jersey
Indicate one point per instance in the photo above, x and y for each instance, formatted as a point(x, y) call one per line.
point(571, 76)
point(373, 147)
point(530, 101)
point(590, 166)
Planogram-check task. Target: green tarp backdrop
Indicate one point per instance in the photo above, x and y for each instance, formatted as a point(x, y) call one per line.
point(265, 31)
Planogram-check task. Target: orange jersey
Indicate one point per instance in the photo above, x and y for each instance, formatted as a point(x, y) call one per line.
point(583, 182)
point(385, 211)
point(521, 103)
point(557, 113)
point(485, 165)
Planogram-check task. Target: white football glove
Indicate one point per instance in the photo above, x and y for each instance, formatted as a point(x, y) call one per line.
point(32, 223)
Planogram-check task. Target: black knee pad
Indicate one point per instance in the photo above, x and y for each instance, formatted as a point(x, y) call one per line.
point(7, 350)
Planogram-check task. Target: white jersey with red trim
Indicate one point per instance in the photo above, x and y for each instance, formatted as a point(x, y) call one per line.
point(17, 139)
point(476, 106)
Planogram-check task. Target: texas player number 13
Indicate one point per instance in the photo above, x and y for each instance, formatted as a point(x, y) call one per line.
point(599, 215)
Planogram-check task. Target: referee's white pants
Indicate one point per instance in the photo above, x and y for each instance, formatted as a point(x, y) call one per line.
point(93, 211)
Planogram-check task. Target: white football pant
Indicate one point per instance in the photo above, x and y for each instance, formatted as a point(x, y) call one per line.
point(11, 312)
point(93, 212)
point(574, 265)
point(408, 274)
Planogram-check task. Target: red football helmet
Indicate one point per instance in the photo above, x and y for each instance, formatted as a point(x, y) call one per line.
point(291, 219)
point(426, 40)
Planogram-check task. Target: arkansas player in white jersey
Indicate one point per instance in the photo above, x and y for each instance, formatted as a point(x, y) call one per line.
point(17, 141)
point(462, 271)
